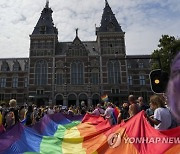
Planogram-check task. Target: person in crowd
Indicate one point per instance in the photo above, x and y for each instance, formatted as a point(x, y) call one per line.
point(9, 118)
point(77, 110)
point(116, 112)
point(39, 114)
point(97, 111)
point(50, 110)
point(142, 105)
point(133, 107)
point(173, 89)
point(162, 117)
point(108, 113)
point(30, 119)
point(124, 113)
point(13, 107)
point(83, 108)
point(56, 109)
point(22, 115)
point(2, 129)
point(70, 111)
point(150, 111)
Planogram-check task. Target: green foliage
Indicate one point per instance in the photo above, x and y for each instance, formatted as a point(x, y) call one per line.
point(168, 47)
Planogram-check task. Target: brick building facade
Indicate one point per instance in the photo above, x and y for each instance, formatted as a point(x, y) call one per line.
point(67, 73)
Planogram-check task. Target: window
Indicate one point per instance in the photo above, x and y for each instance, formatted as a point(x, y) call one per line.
point(59, 78)
point(41, 74)
point(39, 91)
point(141, 65)
point(25, 82)
point(15, 82)
point(95, 76)
point(16, 66)
point(130, 82)
point(142, 79)
point(26, 67)
point(77, 73)
point(5, 66)
point(128, 65)
point(114, 72)
point(3, 82)
point(1, 97)
point(115, 91)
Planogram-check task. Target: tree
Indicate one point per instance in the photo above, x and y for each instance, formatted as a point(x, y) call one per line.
point(168, 47)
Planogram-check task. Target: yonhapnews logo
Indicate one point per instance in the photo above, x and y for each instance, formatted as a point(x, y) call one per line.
point(114, 140)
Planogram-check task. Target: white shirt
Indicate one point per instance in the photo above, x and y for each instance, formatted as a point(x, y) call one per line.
point(108, 112)
point(164, 116)
point(50, 111)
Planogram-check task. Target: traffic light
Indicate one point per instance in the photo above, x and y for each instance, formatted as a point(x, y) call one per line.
point(159, 80)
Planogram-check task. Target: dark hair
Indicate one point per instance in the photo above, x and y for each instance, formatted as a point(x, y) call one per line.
point(173, 88)
point(30, 108)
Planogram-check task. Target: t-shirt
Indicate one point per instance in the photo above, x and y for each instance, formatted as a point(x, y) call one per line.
point(164, 116)
point(98, 111)
point(108, 112)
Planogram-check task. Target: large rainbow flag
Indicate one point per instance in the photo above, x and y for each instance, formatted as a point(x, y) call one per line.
point(62, 134)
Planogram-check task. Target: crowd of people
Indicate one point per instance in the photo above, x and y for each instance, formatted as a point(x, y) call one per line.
point(160, 115)
point(157, 113)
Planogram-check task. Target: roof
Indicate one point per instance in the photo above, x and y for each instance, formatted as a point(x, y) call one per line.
point(45, 23)
point(109, 21)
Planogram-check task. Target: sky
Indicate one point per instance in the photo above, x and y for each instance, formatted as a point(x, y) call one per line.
point(143, 21)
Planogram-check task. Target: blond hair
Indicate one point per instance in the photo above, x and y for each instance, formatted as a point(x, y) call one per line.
point(12, 103)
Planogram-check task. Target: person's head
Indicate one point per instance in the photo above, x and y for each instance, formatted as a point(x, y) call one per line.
point(12, 103)
point(156, 102)
point(99, 105)
point(173, 88)
point(131, 99)
point(140, 100)
point(109, 104)
point(30, 108)
point(22, 112)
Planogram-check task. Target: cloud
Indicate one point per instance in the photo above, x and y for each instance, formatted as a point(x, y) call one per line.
point(144, 21)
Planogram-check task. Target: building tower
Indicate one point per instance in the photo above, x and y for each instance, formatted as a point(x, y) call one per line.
point(43, 42)
point(111, 44)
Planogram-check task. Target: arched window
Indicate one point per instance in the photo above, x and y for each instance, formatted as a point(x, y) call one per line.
point(77, 73)
point(41, 73)
point(95, 76)
point(114, 76)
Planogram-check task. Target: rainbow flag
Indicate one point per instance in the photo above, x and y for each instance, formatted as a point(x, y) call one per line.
point(104, 98)
point(62, 134)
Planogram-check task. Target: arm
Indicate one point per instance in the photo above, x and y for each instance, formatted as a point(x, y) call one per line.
point(153, 121)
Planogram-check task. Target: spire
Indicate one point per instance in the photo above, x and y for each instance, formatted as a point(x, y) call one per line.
point(45, 23)
point(77, 32)
point(106, 3)
point(109, 21)
point(47, 4)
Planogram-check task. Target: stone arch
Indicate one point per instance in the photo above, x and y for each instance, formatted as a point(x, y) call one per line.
point(59, 99)
point(72, 99)
point(83, 97)
point(95, 99)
